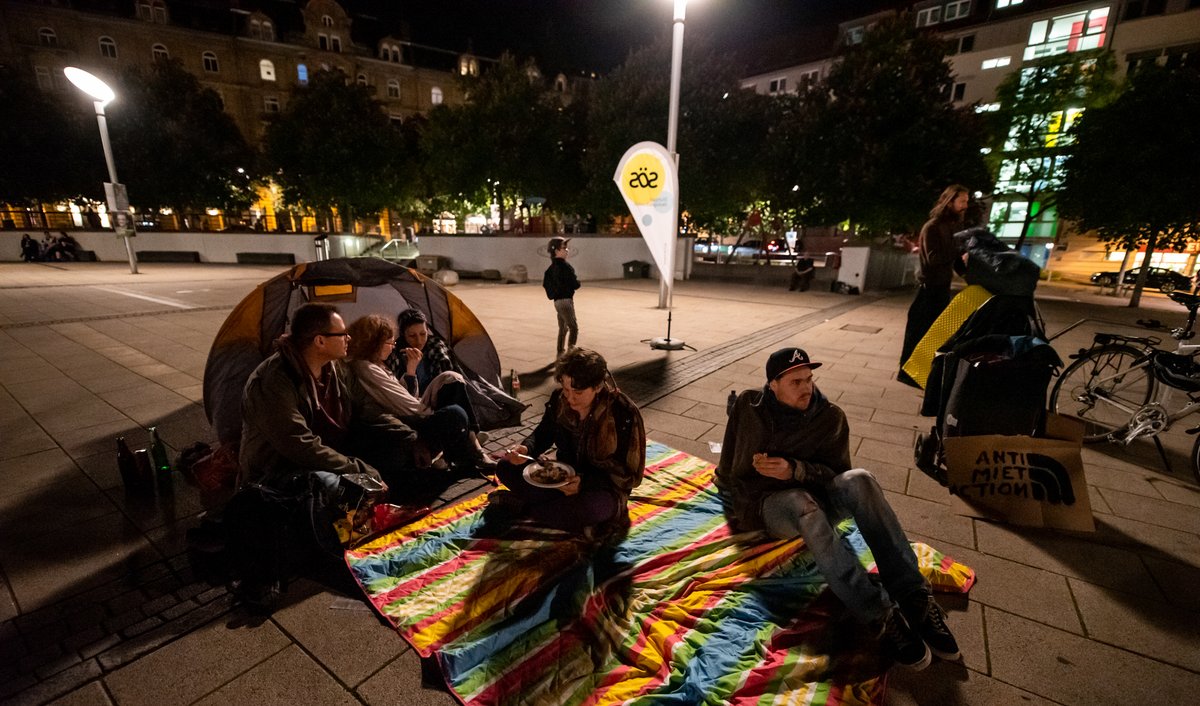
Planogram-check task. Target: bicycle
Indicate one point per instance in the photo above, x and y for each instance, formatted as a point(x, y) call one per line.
point(1122, 386)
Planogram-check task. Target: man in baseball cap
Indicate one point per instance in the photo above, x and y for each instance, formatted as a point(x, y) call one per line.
point(785, 469)
point(560, 283)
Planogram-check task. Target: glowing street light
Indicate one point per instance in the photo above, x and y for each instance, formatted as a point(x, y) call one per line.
point(100, 92)
point(665, 289)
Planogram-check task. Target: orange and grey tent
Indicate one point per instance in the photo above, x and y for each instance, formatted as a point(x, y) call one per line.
point(357, 286)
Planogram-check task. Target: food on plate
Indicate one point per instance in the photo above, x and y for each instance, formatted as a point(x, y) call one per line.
point(550, 472)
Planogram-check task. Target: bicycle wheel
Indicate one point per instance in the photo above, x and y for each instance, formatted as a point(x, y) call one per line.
point(1093, 386)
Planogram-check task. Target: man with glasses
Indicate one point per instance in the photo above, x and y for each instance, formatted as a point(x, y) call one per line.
point(785, 469)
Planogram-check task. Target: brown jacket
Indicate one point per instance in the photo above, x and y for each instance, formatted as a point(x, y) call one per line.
point(816, 441)
point(938, 252)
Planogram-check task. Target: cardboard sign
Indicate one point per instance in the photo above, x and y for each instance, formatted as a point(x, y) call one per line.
point(1022, 480)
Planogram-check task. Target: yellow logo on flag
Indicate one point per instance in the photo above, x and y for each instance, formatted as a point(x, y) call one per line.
point(643, 179)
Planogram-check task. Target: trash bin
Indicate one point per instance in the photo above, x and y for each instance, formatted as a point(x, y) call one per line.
point(636, 269)
point(321, 246)
point(428, 264)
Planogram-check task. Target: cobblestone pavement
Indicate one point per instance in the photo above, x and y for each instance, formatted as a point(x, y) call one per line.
point(99, 603)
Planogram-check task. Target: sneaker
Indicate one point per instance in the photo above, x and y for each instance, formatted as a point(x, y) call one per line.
point(900, 642)
point(924, 612)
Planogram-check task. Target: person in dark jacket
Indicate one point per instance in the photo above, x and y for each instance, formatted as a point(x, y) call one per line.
point(938, 254)
point(785, 470)
point(596, 430)
point(560, 284)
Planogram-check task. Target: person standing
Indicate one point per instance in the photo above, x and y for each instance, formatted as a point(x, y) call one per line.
point(937, 255)
point(785, 469)
point(560, 284)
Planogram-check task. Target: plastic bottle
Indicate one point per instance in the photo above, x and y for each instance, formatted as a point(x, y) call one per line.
point(126, 465)
point(516, 383)
point(158, 458)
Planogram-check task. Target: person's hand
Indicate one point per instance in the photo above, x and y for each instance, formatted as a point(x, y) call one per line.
point(572, 486)
point(773, 466)
point(516, 454)
point(412, 357)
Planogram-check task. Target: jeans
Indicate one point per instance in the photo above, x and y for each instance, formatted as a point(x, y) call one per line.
point(796, 513)
point(565, 308)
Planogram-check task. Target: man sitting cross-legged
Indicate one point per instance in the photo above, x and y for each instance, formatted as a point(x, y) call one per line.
point(785, 469)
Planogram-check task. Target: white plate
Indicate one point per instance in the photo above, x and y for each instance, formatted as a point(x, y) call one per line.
point(529, 470)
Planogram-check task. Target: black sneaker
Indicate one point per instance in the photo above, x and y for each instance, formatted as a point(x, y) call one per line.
point(924, 612)
point(900, 642)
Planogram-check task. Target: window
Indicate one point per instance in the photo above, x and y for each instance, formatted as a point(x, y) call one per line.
point(323, 42)
point(435, 96)
point(1144, 8)
point(966, 44)
point(393, 89)
point(468, 66)
point(143, 11)
point(335, 43)
point(268, 31)
point(1001, 4)
point(255, 29)
point(929, 16)
point(302, 74)
point(160, 53)
point(777, 85)
point(996, 63)
point(43, 78)
point(160, 14)
point(326, 21)
point(210, 62)
point(854, 35)
point(47, 37)
point(108, 48)
point(808, 78)
point(271, 104)
point(1078, 31)
point(361, 79)
point(957, 10)
point(396, 55)
point(960, 90)
point(1183, 57)
point(266, 69)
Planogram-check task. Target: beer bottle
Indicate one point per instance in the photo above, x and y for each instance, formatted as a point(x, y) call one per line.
point(516, 383)
point(158, 457)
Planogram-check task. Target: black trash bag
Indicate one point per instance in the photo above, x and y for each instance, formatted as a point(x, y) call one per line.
point(995, 266)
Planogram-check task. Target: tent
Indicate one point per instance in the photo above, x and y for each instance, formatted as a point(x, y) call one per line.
point(357, 286)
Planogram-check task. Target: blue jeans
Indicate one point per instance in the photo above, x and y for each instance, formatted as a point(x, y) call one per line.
point(568, 327)
point(796, 513)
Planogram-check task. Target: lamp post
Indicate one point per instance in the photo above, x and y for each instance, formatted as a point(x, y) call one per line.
point(665, 288)
point(102, 95)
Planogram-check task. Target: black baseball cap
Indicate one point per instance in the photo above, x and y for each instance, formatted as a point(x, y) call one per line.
point(556, 243)
point(785, 359)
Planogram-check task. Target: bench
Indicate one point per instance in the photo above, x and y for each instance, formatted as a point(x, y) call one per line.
point(168, 256)
point(266, 258)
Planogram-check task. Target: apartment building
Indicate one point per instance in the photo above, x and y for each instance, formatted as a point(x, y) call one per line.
point(989, 39)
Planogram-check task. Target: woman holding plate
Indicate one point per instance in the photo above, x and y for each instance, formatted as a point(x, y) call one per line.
point(599, 437)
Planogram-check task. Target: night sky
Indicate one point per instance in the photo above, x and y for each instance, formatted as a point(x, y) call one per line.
point(598, 34)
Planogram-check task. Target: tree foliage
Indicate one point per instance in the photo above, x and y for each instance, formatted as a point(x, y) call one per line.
point(512, 131)
point(334, 146)
point(1030, 136)
point(722, 131)
point(173, 143)
point(1134, 176)
point(878, 139)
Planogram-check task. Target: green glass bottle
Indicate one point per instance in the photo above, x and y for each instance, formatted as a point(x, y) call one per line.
point(158, 458)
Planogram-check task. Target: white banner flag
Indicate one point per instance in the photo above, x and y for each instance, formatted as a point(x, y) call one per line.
point(649, 183)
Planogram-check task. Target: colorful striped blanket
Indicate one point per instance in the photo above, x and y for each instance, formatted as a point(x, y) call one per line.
point(680, 612)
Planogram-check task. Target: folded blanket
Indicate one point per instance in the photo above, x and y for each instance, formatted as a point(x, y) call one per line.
point(680, 611)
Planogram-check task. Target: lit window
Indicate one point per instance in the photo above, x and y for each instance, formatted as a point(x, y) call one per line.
point(210, 62)
point(996, 63)
point(271, 104)
point(301, 74)
point(957, 10)
point(393, 89)
point(323, 42)
point(929, 16)
point(987, 107)
point(43, 78)
point(266, 69)
point(1078, 31)
point(47, 37)
point(108, 48)
point(468, 66)
point(160, 53)
point(1001, 4)
point(326, 21)
point(361, 79)
point(335, 44)
point(268, 31)
point(435, 96)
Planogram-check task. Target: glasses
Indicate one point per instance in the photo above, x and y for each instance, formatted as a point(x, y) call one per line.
point(345, 334)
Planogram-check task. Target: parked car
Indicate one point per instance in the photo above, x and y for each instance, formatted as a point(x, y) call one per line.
point(1159, 278)
point(751, 250)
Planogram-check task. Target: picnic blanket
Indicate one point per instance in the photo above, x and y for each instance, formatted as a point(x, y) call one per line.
point(679, 612)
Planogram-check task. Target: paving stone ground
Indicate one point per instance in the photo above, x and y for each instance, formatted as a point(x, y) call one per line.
point(99, 603)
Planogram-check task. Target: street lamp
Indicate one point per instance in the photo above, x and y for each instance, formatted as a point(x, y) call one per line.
point(665, 289)
point(100, 92)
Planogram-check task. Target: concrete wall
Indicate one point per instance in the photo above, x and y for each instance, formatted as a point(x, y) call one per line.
point(593, 257)
point(213, 247)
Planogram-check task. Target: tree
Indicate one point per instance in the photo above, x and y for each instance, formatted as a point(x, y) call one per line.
point(722, 131)
point(1134, 176)
point(1030, 132)
point(878, 140)
point(174, 144)
point(508, 140)
point(334, 147)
